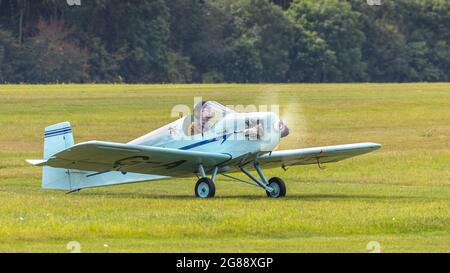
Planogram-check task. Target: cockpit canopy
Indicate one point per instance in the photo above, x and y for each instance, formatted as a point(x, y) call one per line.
point(211, 108)
point(205, 116)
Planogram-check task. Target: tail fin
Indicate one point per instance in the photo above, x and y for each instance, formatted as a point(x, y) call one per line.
point(57, 137)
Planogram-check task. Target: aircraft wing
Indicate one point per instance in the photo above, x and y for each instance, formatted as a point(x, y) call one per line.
point(314, 155)
point(99, 156)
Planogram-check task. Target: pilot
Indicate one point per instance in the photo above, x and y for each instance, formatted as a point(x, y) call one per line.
point(203, 118)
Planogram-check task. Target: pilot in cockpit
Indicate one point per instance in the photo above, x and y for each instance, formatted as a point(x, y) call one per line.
point(204, 118)
point(208, 113)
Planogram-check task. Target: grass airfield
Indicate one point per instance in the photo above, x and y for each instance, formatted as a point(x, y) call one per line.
point(398, 196)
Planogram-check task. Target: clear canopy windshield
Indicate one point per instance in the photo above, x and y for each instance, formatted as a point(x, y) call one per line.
point(206, 115)
point(212, 107)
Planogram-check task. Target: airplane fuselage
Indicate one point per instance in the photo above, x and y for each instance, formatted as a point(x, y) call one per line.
point(230, 135)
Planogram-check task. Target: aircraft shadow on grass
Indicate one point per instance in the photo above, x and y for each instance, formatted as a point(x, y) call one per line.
point(292, 196)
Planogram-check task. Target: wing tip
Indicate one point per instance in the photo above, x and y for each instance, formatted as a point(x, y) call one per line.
point(375, 145)
point(36, 162)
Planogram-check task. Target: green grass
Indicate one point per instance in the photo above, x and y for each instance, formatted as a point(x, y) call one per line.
point(398, 196)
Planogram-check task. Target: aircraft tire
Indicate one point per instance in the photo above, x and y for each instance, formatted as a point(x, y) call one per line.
point(205, 188)
point(279, 187)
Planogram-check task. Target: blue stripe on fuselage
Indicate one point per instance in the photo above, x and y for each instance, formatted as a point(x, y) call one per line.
point(203, 142)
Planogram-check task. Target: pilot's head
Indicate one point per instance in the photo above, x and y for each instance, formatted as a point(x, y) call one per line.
point(203, 112)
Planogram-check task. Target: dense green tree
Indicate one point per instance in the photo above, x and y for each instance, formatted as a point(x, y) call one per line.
point(143, 37)
point(10, 58)
point(258, 50)
point(224, 40)
point(204, 40)
point(180, 69)
point(56, 58)
point(337, 25)
point(128, 39)
point(407, 40)
point(282, 3)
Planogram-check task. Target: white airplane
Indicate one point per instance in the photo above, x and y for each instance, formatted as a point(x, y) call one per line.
point(215, 140)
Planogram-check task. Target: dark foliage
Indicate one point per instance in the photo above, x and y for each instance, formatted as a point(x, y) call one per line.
point(224, 41)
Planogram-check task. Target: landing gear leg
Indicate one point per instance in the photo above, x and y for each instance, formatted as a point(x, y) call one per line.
point(275, 187)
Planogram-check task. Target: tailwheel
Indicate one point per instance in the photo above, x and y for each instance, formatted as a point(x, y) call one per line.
point(205, 188)
point(278, 186)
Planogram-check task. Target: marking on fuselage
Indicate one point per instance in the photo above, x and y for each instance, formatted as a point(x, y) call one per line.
point(204, 142)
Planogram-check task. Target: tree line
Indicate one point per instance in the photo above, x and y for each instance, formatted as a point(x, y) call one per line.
point(184, 41)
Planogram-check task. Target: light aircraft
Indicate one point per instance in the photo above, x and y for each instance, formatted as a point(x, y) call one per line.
point(214, 140)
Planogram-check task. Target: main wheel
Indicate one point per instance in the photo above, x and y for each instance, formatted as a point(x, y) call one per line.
point(278, 186)
point(205, 188)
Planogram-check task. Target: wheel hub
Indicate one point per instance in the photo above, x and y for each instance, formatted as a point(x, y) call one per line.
point(275, 189)
point(203, 189)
